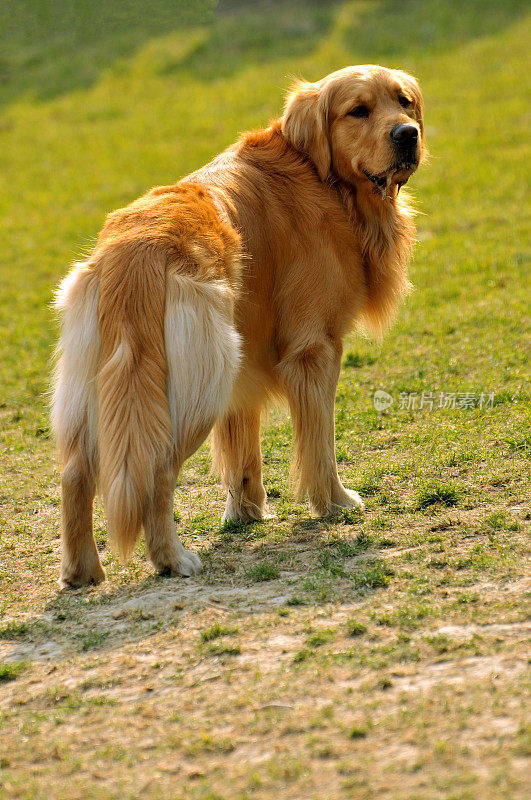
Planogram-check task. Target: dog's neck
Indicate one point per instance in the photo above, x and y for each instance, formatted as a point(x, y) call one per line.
point(387, 237)
point(384, 219)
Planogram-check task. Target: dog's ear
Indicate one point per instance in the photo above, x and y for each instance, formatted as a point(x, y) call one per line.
point(304, 124)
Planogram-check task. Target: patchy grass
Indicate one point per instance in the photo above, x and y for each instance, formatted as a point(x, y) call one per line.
point(13, 630)
point(446, 494)
point(263, 572)
point(215, 631)
point(10, 672)
point(355, 628)
point(380, 654)
point(94, 639)
point(355, 359)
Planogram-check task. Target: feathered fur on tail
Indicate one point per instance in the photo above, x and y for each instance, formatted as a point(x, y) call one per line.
point(134, 430)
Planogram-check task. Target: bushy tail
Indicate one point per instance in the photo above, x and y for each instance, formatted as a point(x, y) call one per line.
point(134, 429)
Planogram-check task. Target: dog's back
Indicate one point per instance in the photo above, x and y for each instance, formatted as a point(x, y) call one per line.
point(148, 355)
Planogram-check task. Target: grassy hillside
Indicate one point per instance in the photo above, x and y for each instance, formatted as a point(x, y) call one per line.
point(375, 656)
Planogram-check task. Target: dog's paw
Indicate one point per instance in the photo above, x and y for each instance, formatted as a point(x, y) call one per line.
point(189, 563)
point(243, 510)
point(348, 498)
point(74, 578)
point(341, 498)
point(184, 565)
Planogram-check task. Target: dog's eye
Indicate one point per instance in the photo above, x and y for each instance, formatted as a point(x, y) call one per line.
point(359, 111)
point(404, 101)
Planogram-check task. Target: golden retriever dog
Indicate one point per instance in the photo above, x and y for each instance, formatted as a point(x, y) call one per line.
point(205, 299)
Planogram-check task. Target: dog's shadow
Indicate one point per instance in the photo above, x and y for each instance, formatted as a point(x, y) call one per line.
point(245, 574)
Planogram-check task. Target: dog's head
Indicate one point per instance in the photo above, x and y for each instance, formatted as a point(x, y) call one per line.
point(362, 125)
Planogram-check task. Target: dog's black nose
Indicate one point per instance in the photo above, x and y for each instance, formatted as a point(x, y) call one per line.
point(405, 135)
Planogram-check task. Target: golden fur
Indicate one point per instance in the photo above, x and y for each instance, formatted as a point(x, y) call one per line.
point(204, 299)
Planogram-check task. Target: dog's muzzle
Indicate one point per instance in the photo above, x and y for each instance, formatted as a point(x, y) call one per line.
point(405, 138)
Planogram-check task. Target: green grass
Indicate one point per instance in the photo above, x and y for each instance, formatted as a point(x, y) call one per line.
point(215, 631)
point(13, 630)
point(320, 637)
point(379, 654)
point(263, 572)
point(434, 493)
point(94, 639)
point(358, 733)
point(356, 628)
point(10, 672)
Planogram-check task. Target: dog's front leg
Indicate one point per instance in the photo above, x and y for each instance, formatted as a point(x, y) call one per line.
point(309, 377)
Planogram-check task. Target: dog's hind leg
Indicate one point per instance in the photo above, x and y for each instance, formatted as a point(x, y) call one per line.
point(237, 457)
point(74, 418)
point(80, 563)
point(309, 377)
point(164, 548)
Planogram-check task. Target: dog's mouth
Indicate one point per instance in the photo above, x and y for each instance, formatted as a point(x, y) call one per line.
point(399, 174)
point(380, 181)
